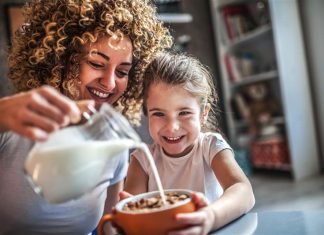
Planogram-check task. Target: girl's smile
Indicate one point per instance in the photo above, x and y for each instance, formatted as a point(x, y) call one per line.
point(174, 118)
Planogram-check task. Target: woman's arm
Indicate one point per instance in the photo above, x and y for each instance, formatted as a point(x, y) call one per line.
point(136, 179)
point(111, 201)
point(36, 113)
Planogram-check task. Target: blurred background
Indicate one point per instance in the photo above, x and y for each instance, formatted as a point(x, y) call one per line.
point(266, 59)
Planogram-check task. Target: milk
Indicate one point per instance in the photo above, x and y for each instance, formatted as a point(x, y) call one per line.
point(148, 154)
point(62, 173)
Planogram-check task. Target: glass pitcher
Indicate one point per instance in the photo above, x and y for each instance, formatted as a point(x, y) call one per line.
point(71, 162)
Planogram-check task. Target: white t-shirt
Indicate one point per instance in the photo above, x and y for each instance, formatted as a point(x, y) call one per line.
point(192, 171)
point(22, 212)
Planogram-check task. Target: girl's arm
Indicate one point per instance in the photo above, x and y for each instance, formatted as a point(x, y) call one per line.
point(136, 179)
point(237, 199)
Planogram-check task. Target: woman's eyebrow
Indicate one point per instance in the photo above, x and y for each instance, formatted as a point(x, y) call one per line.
point(95, 52)
point(106, 57)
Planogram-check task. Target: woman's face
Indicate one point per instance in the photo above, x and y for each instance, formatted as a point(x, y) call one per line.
point(105, 68)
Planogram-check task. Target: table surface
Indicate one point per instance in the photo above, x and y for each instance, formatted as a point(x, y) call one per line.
point(276, 223)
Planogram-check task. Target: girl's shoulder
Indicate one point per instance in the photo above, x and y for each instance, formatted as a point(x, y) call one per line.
point(212, 143)
point(210, 138)
point(139, 153)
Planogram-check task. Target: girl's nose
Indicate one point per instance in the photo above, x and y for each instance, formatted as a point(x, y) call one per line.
point(108, 80)
point(173, 125)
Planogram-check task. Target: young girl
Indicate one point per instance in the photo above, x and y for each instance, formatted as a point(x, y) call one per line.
point(178, 96)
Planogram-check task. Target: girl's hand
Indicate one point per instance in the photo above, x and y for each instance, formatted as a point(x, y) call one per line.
point(198, 222)
point(123, 195)
point(36, 113)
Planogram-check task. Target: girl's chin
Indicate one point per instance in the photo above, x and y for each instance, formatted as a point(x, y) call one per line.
point(177, 152)
point(174, 153)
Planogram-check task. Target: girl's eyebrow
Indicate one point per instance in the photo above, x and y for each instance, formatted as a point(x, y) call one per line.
point(154, 109)
point(180, 109)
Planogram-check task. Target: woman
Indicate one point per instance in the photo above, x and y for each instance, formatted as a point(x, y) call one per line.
point(85, 50)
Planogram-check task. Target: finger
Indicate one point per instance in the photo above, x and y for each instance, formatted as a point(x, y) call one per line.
point(31, 132)
point(124, 194)
point(83, 105)
point(37, 103)
point(34, 119)
point(66, 105)
point(199, 200)
point(194, 218)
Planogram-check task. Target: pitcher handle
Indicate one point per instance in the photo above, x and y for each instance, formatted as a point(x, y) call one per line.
point(103, 220)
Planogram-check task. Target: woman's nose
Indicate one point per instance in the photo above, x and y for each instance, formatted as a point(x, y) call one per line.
point(108, 80)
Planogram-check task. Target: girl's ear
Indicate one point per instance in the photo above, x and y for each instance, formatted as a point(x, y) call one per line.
point(205, 113)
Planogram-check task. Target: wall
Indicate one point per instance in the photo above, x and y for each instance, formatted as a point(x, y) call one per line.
point(312, 18)
point(202, 43)
point(5, 89)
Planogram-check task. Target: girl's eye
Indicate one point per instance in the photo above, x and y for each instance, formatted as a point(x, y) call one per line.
point(184, 113)
point(95, 65)
point(158, 114)
point(121, 74)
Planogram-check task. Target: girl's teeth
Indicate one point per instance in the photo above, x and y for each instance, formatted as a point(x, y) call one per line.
point(173, 138)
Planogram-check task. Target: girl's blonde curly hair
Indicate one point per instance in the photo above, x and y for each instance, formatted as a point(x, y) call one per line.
point(55, 32)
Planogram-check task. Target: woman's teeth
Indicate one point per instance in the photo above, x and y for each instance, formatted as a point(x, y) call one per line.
point(99, 94)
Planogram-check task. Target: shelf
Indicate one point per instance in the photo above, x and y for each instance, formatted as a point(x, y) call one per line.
point(281, 167)
point(275, 47)
point(175, 18)
point(239, 124)
point(250, 37)
point(223, 3)
point(261, 77)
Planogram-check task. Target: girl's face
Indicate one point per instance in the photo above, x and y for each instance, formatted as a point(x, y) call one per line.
point(174, 118)
point(104, 70)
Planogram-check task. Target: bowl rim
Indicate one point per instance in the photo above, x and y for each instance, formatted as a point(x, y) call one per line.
point(120, 204)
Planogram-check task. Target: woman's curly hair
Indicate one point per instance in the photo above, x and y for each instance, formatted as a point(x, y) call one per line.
point(55, 32)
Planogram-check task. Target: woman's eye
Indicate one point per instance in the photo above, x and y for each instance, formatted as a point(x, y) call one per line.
point(121, 74)
point(95, 65)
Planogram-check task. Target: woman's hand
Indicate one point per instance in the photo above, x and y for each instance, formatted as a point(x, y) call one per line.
point(36, 113)
point(198, 222)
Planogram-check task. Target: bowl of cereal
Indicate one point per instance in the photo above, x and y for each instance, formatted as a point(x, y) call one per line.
point(147, 213)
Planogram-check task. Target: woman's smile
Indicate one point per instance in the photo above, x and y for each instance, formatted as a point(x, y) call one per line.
point(98, 93)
